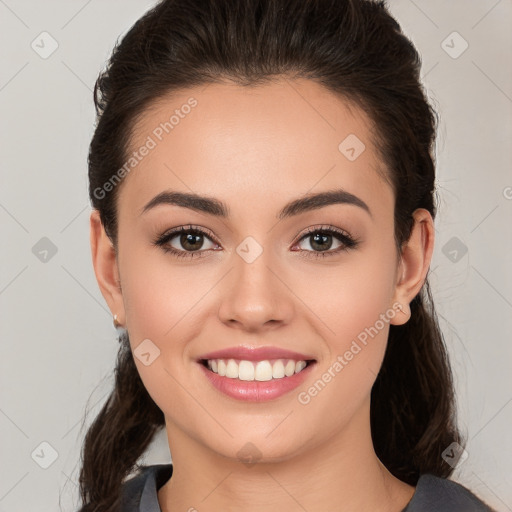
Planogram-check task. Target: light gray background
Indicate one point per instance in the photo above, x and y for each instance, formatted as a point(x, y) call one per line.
point(58, 343)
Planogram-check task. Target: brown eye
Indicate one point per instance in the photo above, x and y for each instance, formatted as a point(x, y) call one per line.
point(191, 241)
point(187, 242)
point(321, 241)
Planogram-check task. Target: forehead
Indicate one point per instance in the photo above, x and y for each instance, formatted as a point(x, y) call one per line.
point(247, 145)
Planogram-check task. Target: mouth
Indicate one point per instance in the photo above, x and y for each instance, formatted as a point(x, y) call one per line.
point(270, 369)
point(256, 381)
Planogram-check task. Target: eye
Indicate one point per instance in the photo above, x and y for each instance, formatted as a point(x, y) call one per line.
point(320, 240)
point(185, 241)
point(188, 241)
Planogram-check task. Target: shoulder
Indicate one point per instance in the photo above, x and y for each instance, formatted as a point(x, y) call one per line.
point(442, 495)
point(142, 488)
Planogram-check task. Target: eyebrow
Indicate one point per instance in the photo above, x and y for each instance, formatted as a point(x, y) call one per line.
point(212, 206)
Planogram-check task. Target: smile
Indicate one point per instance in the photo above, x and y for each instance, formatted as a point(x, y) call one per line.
point(256, 380)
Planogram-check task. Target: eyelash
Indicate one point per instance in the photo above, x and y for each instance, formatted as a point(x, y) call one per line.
point(347, 241)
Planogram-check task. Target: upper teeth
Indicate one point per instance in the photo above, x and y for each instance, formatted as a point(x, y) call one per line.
point(260, 370)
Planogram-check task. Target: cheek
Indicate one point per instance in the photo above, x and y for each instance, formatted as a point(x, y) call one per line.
point(356, 342)
point(159, 307)
point(157, 294)
point(351, 307)
point(351, 295)
point(163, 305)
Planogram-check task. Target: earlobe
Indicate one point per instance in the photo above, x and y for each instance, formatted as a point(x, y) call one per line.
point(106, 267)
point(414, 264)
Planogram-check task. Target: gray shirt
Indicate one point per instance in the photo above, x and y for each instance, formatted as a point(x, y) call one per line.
point(433, 494)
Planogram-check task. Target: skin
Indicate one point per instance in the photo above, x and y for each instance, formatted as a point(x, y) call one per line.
point(256, 149)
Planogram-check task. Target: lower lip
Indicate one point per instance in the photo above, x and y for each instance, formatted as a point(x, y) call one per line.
point(256, 391)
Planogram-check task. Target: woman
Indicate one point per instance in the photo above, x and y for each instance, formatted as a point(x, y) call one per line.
point(262, 179)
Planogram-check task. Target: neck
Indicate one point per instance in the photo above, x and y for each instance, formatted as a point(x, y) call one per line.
point(342, 473)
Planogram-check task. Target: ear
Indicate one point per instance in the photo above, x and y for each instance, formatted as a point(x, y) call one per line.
point(414, 264)
point(105, 267)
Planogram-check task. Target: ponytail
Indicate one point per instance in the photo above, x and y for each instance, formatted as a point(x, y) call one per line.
point(412, 413)
point(119, 435)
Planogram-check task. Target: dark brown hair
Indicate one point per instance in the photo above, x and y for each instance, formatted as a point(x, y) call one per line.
point(357, 50)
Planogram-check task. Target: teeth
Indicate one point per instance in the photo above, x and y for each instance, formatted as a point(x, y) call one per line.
point(260, 370)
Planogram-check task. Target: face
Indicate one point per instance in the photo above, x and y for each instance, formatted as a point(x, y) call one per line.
point(254, 277)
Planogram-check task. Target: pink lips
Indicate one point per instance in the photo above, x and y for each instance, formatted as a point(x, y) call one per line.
point(256, 354)
point(255, 391)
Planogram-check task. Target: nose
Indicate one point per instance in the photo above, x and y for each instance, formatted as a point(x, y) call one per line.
point(255, 296)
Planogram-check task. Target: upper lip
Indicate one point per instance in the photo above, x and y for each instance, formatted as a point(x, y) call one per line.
point(256, 354)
